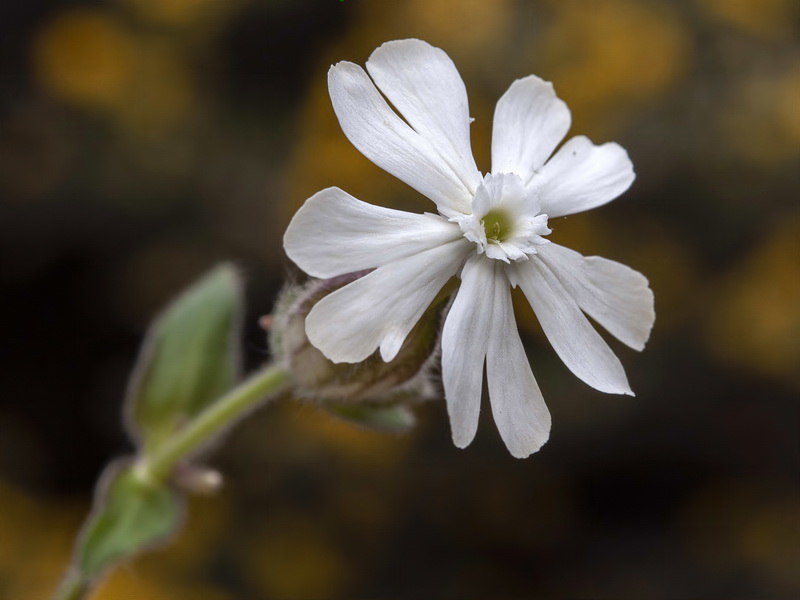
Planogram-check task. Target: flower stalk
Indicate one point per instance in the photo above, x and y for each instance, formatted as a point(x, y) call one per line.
point(137, 504)
point(267, 383)
point(73, 587)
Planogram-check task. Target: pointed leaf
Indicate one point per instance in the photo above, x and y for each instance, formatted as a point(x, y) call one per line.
point(188, 360)
point(129, 515)
point(395, 418)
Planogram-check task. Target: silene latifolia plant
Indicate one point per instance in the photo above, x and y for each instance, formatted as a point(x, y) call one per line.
point(394, 297)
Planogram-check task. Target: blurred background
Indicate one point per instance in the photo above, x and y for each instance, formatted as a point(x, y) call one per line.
point(142, 141)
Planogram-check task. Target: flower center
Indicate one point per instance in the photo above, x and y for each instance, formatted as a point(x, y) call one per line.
point(497, 225)
point(505, 223)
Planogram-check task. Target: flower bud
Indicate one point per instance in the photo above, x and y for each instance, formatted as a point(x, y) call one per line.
point(197, 479)
point(407, 377)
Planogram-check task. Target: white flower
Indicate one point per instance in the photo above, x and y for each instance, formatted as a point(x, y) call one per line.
point(489, 231)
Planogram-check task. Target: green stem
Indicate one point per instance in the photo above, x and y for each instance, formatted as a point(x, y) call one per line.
point(270, 381)
point(155, 468)
point(72, 588)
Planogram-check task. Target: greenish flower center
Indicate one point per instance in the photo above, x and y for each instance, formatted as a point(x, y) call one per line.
point(497, 226)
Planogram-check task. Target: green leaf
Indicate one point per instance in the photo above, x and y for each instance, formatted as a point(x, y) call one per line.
point(390, 418)
point(188, 360)
point(130, 514)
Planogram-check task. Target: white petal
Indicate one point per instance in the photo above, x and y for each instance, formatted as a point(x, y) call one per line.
point(464, 343)
point(612, 294)
point(334, 233)
point(517, 403)
point(582, 176)
point(380, 309)
point(423, 84)
point(389, 142)
point(574, 339)
point(529, 122)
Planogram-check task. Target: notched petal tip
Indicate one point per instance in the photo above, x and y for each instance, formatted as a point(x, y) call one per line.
point(462, 441)
point(528, 437)
point(341, 66)
point(346, 77)
point(407, 42)
point(408, 49)
point(526, 452)
point(618, 386)
point(648, 317)
point(530, 80)
point(626, 164)
point(626, 392)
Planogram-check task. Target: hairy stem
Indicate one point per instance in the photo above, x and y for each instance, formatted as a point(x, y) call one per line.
point(155, 468)
point(270, 381)
point(73, 587)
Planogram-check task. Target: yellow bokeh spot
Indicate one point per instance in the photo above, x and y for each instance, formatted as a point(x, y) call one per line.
point(618, 51)
point(90, 59)
point(130, 582)
point(461, 27)
point(179, 12)
point(175, 569)
point(36, 539)
point(762, 119)
point(733, 525)
point(787, 107)
point(86, 57)
point(769, 540)
point(357, 445)
point(293, 559)
point(759, 17)
point(447, 22)
point(162, 93)
point(756, 324)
